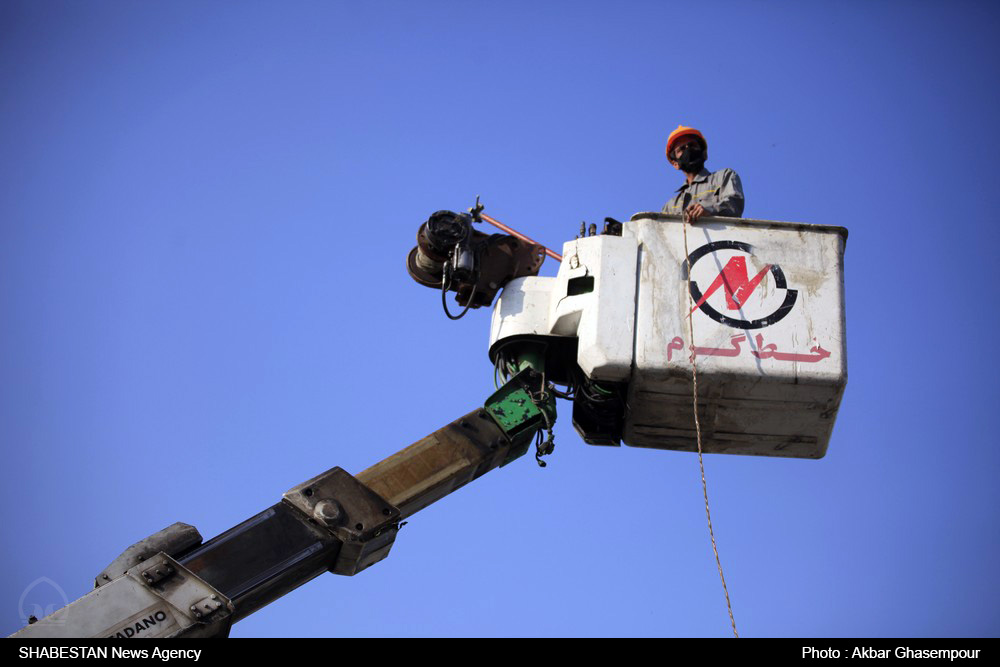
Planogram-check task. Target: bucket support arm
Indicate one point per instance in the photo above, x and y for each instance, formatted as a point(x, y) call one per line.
point(172, 585)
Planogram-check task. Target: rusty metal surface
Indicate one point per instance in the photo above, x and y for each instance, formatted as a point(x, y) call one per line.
point(502, 259)
point(438, 464)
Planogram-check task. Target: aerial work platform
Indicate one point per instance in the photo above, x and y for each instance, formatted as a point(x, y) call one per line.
point(766, 300)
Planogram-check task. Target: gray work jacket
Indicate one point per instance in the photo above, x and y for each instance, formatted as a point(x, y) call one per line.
point(719, 193)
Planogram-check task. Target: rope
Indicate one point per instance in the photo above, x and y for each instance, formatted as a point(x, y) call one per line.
point(697, 428)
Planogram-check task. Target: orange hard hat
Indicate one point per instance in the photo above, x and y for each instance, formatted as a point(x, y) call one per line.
point(680, 132)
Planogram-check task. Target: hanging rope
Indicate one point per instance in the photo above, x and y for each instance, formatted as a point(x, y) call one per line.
point(697, 426)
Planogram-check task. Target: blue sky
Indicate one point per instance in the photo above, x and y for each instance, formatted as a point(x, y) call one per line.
point(204, 212)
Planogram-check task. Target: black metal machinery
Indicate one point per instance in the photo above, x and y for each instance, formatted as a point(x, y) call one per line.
point(452, 256)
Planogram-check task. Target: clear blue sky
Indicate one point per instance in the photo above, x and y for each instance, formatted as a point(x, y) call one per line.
point(204, 212)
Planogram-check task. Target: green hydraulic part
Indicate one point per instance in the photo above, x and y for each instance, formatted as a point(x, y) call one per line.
point(522, 408)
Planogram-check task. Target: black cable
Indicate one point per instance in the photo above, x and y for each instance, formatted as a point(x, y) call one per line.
point(445, 284)
point(565, 395)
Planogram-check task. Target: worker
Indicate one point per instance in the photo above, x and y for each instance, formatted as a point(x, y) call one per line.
point(704, 192)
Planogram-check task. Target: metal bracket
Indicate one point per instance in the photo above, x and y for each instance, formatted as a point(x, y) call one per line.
point(206, 607)
point(158, 573)
point(363, 521)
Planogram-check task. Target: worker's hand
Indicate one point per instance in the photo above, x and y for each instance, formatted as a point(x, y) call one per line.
point(693, 212)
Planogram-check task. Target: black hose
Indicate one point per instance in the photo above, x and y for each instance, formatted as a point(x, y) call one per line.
point(445, 284)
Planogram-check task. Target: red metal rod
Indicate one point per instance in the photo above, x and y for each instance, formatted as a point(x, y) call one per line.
point(496, 223)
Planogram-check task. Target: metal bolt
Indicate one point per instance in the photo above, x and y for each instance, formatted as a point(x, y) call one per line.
point(215, 597)
point(327, 510)
point(193, 608)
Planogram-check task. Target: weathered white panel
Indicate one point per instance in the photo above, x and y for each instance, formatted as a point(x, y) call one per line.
point(607, 314)
point(130, 607)
point(523, 308)
point(592, 298)
point(769, 335)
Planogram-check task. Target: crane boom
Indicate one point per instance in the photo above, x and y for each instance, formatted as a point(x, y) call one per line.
point(172, 585)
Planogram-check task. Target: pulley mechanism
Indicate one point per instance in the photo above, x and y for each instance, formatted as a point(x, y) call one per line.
point(451, 255)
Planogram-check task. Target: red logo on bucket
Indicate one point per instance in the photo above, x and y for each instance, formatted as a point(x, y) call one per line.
point(735, 282)
point(737, 285)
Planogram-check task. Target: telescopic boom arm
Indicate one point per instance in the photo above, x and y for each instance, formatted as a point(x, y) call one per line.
point(172, 585)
